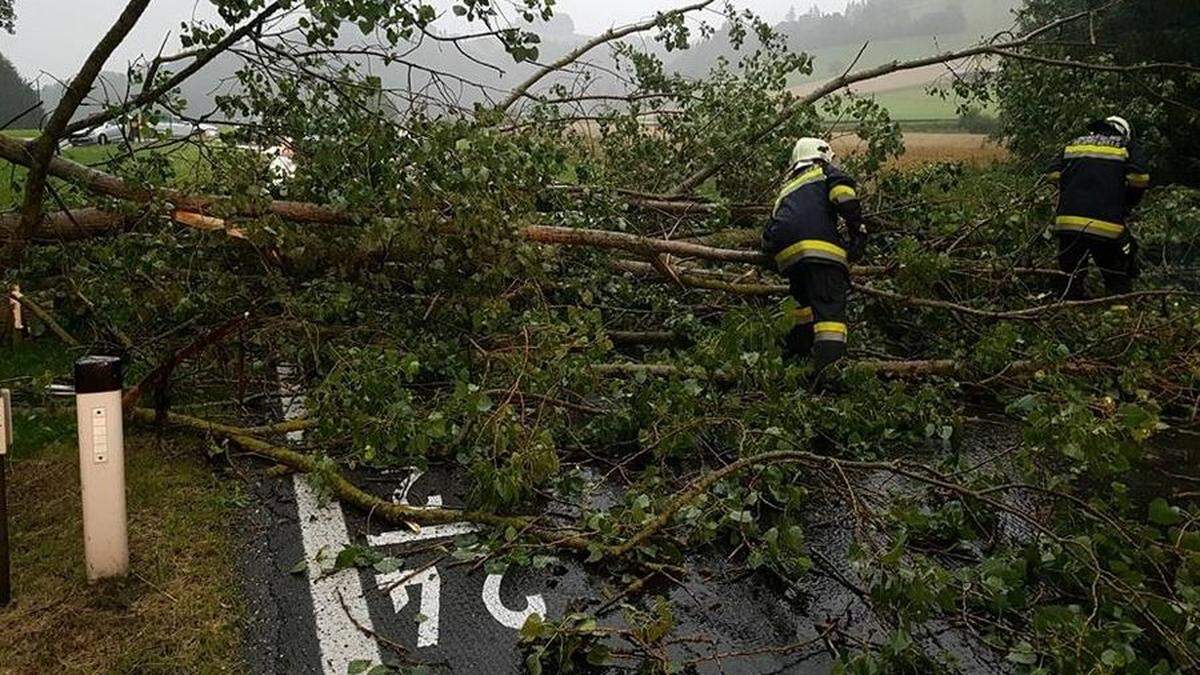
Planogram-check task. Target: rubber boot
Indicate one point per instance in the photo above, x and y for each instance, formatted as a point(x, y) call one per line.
point(826, 356)
point(798, 343)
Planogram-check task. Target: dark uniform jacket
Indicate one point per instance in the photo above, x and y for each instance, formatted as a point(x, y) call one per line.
point(804, 223)
point(1101, 179)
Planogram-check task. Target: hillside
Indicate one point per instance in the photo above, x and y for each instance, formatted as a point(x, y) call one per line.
point(890, 30)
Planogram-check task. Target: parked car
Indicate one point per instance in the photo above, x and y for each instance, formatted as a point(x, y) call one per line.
point(101, 135)
point(184, 129)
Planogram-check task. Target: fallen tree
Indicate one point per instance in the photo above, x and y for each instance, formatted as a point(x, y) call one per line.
point(405, 276)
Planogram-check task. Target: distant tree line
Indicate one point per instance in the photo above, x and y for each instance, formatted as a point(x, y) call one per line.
point(875, 20)
point(19, 101)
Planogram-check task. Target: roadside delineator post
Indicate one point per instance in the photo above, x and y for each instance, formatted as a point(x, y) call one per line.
point(98, 386)
point(5, 444)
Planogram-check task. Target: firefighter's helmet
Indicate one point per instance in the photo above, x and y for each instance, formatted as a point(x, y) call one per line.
point(808, 150)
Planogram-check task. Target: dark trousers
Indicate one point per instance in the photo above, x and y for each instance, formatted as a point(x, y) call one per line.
point(1116, 259)
point(820, 290)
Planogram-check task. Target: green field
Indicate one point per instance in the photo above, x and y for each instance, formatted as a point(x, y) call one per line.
point(915, 103)
point(185, 159)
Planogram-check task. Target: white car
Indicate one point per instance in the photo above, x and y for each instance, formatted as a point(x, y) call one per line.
point(183, 129)
point(101, 135)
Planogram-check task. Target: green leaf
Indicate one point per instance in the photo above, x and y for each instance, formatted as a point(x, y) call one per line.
point(1162, 513)
point(1022, 654)
point(387, 565)
point(598, 655)
point(359, 667)
point(301, 567)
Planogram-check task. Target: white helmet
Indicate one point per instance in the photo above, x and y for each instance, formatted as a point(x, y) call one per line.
point(808, 150)
point(1122, 125)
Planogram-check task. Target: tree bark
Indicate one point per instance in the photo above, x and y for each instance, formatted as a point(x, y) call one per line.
point(106, 184)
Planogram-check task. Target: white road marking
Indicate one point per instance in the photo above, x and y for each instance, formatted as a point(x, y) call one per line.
point(323, 530)
point(425, 534)
point(431, 600)
point(535, 604)
point(427, 630)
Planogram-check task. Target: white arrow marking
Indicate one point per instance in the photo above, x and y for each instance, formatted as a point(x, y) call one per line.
point(431, 599)
point(507, 617)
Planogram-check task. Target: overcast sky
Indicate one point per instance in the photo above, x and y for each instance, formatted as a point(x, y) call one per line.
point(54, 36)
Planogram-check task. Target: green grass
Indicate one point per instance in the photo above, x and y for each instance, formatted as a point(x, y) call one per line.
point(914, 103)
point(178, 612)
point(185, 160)
point(20, 133)
point(832, 61)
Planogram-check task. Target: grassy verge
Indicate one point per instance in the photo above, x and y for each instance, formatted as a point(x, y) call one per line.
point(180, 609)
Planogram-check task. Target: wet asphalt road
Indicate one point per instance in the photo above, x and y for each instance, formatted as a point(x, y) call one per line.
point(736, 622)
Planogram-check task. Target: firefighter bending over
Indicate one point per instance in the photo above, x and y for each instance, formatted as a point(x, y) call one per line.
point(1102, 177)
point(803, 240)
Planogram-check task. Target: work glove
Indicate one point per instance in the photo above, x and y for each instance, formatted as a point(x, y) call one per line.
point(858, 242)
point(1129, 250)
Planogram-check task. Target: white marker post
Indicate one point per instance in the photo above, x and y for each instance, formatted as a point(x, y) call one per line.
point(5, 444)
point(102, 466)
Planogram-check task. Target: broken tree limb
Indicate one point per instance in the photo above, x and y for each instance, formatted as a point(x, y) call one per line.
point(698, 279)
point(159, 378)
point(755, 139)
point(107, 184)
point(706, 281)
point(75, 225)
point(200, 221)
point(660, 370)
point(39, 151)
point(673, 205)
point(651, 246)
point(200, 60)
point(646, 246)
point(1027, 314)
point(650, 337)
point(45, 317)
point(343, 489)
point(607, 36)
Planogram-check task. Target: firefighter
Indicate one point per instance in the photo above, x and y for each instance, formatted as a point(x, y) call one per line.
point(1102, 177)
point(803, 240)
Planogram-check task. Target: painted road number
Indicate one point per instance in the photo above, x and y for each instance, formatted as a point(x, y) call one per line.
point(429, 581)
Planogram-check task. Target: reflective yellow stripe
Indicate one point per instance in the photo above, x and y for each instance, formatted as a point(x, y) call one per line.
point(811, 176)
point(1140, 180)
point(803, 315)
point(1091, 150)
point(830, 331)
point(1089, 225)
point(810, 248)
point(842, 193)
